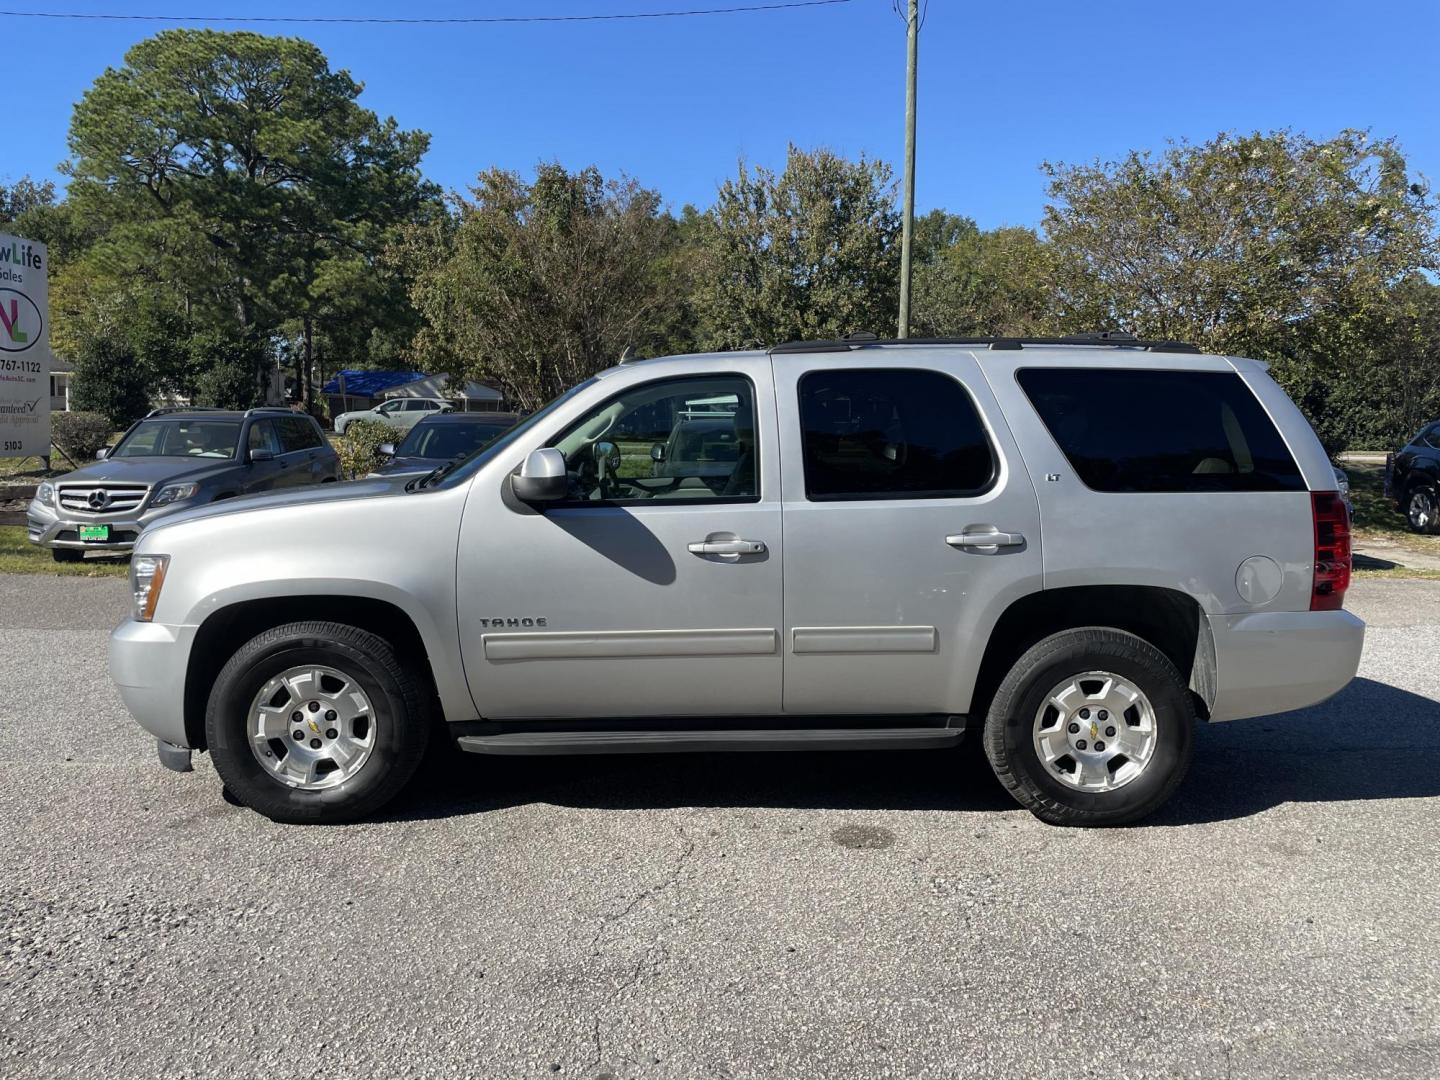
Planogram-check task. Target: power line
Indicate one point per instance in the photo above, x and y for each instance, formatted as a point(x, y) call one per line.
point(461, 20)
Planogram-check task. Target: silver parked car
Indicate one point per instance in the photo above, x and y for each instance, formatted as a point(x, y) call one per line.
point(1072, 549)
point(173, 460)
point(403, 413)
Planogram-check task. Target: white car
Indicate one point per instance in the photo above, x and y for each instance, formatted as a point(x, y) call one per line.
point(403, 413)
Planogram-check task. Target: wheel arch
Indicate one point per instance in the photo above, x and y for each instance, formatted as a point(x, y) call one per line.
point(1171, 620)
point(227, 628)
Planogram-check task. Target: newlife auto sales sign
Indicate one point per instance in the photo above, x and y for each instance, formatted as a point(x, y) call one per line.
point(24, 349)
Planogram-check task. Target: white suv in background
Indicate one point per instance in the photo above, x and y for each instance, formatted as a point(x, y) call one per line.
point(402, 413)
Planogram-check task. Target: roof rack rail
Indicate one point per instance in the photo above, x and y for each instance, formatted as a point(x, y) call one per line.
point(269, 409)
point(999, 344)
point(166, 409)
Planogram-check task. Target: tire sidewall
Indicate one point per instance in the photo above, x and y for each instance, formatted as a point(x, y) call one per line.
point(1016, 706)
point(229, 745)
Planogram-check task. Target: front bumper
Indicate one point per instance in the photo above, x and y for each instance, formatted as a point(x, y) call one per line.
point(1270, 662)
point(148, 662)
point(51, 528)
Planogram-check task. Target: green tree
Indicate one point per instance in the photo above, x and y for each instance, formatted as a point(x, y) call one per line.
point(810, 252)
point(22, 196)
point(975, 284)
point(1256, 244)
point(239, 166)
point(533, 287)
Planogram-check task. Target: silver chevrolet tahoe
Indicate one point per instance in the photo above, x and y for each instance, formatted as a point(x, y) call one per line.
point(1069, 548)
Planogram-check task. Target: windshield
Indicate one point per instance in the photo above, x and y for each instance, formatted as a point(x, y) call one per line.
point(180, 438)
point(446, 440)
point(460, 471)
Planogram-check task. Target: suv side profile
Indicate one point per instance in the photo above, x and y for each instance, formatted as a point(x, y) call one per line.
point(172, 460)
point(403, 413)
point(1073, 549)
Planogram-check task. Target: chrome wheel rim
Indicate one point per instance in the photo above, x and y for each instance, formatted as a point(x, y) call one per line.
point(1422, 509)
point(311, 727)
point(1095, 732)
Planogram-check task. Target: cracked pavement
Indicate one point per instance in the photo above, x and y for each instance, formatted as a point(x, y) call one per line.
point(749, 915)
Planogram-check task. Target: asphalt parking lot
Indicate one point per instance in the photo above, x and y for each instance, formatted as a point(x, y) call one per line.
point(811, 915)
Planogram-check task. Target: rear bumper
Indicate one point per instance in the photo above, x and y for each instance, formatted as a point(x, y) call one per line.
point(1270, 662)
point(148, 663)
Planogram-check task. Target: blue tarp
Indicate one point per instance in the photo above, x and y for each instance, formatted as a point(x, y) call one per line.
point(370, 383)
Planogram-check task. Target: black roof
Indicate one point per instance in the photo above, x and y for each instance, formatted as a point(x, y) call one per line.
point(1103, 337)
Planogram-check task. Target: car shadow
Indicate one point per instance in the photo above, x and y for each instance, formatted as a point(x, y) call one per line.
point(1369, 742)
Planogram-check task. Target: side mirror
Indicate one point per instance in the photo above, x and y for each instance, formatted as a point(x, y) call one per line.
point(257, 456)
point(387, 449)
point(542, 478)
point(657, 453)
point(608, 453)
point(102, 453)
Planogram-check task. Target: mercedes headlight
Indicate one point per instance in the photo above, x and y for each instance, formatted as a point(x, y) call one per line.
point(45, 494)
point(147, 578)
point(174, 493)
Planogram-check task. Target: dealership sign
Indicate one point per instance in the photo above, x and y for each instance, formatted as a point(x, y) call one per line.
point(24, 349)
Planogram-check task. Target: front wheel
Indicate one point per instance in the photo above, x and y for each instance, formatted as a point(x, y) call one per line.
point(316, 722)
point(1091, 726)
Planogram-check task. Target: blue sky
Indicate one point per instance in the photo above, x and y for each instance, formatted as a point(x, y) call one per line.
point(675, 102)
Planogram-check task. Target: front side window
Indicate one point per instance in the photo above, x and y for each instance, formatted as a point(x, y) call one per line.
point(262, 437)
point(891, 433)
point(181, 438)
point(677, 439)
point(389, 407)
point(1133, 430)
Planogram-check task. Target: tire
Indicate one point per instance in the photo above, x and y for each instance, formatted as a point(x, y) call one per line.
point(67, 555)
point(1422, 510)
point(1078, 661)
point(393, 709)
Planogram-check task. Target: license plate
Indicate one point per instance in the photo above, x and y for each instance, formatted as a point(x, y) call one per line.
point(94, 532)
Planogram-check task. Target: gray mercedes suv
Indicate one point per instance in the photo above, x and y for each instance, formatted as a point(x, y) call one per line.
point(172, 460)
point(1071, 549)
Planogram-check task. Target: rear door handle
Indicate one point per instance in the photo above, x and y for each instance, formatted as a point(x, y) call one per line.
point(727, 547)
point(985, 538)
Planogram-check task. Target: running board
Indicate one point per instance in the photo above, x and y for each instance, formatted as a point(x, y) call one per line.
point(679, 742)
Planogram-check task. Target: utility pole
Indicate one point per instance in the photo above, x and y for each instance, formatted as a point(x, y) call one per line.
point(907, 232)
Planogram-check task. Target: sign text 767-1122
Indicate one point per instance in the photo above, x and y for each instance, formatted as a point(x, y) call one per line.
point(24, 349)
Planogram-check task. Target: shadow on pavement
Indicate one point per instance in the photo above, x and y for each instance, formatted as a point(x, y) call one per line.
point(1370, 742)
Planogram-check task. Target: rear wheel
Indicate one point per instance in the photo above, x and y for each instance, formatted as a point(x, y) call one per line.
point(1422, 510)
point(316, 722)
point(67, 555)
point(1091, 727)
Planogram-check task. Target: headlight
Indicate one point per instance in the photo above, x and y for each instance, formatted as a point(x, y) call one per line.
point(174, 493)
point(147, 578)
point(45, 494)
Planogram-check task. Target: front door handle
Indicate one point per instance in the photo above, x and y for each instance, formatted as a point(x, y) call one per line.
point(985, 538)
point(734, 548)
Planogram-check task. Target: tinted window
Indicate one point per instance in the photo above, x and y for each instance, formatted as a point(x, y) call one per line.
point(297, 433)
point(691, 439)
point(891, 434)
point(1136, 430)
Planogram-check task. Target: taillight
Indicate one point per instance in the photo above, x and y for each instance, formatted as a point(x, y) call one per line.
point(1332, 550)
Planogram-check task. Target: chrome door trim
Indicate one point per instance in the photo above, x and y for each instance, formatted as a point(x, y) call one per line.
point(863, 639)
point(589, 645)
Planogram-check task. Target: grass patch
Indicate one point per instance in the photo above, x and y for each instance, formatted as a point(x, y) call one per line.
point(19, 556)
point(1376, 517)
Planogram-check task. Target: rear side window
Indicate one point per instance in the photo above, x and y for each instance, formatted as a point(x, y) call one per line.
point(1147, 431)
point(298, 433)
point(895, 433)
